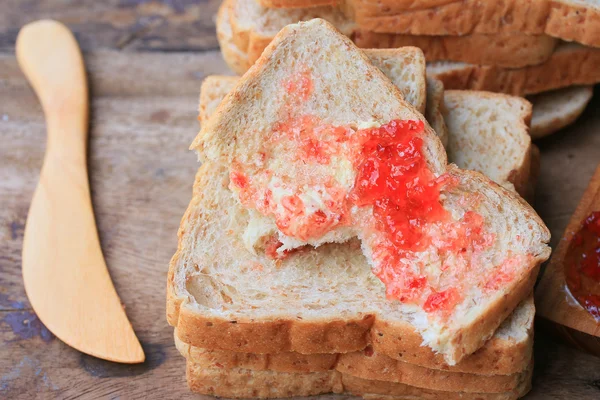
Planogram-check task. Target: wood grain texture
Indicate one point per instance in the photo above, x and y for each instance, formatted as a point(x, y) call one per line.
point(144, 115)
point(167, 25)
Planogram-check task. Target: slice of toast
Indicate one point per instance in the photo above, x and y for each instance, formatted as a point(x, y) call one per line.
point(405, 67)
point(506, 50)
point(366, 364)
point(570, 64)
point(497, 355)
point(255, 26)
point(571, 20)
point(455, 337)
point(243, 383)
point(508, 352)
point(451, 17)
point(236, 59)
point(503, 120)
point(553, 111)
point(434, 111)
point(483, 126)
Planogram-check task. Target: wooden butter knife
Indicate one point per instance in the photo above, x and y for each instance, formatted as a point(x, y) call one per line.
point(65, 274)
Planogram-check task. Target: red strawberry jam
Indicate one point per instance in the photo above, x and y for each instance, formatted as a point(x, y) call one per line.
point(394, 179)
point(313, 177)
point(582, 265)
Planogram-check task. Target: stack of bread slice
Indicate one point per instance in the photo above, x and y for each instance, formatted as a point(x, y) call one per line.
point(317, 319)
point(515, 47)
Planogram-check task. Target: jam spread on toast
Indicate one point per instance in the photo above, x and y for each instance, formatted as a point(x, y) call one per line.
point(313, 177)
point(393, 178)
point(582, 265)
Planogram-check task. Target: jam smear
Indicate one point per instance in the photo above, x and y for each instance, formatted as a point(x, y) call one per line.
point(300, 85)
point(312, 177)
point(393, 178)
point(305, 205)
point(582, 265)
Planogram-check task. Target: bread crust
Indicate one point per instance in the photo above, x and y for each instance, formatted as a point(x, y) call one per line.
point(574, 22)
point(435, 108)
point(507, 50)
point(364, 364)
point(397, 340)
point(569, 65)
point(558, 109)
point(452, 17)
point(241, 383)
point(563, 19)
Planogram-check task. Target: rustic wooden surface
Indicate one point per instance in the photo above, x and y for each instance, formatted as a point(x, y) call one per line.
point(143, 119)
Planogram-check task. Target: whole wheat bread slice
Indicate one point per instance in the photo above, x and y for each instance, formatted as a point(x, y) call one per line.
point(498, 357)
point(506, 50)
point(434, 111)
point(508, 352)
point(572, 20)
point(488, 131)
point(319, 329)
point(569, 65)
point(255, 26)
point(483, 126)
point(553, 111)
point(365, 364)
point(405, 67)
point(236, 59)
point(243, 383)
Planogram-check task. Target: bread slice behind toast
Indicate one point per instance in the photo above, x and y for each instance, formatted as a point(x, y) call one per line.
point(489, 133)
point(570, 64)
point(506, 50)
point(434, 111)
point(553, 111)
point(235, 58)
point(570, 20)
point(255, 26)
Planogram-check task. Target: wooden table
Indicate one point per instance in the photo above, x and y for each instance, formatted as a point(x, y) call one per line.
point(146, 60)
